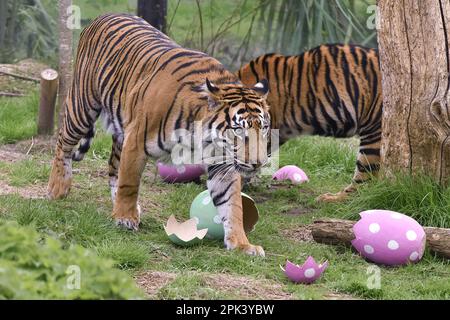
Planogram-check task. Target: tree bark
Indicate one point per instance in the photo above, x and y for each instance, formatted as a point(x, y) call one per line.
point(415, 66)
point(154, 12)
point(49, 88)
point(336, 231)
point(65, 58)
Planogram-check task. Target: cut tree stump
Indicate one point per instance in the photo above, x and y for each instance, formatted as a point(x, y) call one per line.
point(336, 231)
point(49, 89)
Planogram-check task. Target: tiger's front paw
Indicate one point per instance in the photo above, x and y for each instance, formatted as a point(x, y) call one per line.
point(234, 243)
point(60, 180)
point(128, 221)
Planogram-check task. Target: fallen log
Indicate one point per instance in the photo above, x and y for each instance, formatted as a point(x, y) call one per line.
point(11, 94)
point(337, 231)
point(18, 76)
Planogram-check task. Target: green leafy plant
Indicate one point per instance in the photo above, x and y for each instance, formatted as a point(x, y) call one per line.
point(32, 267)
point(292, 26)
point(28, 29)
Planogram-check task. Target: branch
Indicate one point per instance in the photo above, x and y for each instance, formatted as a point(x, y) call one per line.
point(10, 94)
point(18, 76)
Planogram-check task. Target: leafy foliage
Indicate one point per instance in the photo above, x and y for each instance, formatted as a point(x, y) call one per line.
point(35, 268)
point(241, 31)
point(293, 26)
point(28, 29)
point(233, 31)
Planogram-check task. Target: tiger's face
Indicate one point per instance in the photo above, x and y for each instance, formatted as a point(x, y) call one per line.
point(239, 124)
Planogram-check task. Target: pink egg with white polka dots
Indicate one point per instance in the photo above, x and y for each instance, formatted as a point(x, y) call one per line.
point(293, 173)
point(388, 237)
point(182, 173)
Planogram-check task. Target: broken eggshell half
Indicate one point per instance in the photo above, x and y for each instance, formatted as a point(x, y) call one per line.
point(203, 210)
point(185, 233)
point(293, 173)
point(307, 273)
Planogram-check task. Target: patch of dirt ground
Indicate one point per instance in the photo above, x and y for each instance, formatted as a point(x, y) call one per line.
point(36, 145)
point(299, 234)
point(29, 192)
point(339, 296)
point(11, 156)
point(152, 281)
point(245, 287)
point(297, 211)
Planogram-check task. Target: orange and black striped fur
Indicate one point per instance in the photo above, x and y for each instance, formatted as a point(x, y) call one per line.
point(147, 87)
point(332, 90)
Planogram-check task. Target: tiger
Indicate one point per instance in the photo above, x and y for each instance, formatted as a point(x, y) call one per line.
point(146, 88)
point(331, 90)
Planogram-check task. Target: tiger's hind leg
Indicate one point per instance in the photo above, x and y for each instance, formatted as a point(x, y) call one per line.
point(75, 127)
point(367, 166)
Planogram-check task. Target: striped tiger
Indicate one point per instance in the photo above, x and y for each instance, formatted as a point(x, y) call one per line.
point(332, 90)
point(146, 87)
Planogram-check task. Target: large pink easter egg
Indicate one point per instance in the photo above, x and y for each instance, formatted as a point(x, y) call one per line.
point(291, 172)
point(181, 173)
point(388, 237)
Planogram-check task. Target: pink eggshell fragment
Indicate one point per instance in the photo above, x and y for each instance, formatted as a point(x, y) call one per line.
point(293, 173)
point(389, 238)
point(307, 273)
point(181, 173)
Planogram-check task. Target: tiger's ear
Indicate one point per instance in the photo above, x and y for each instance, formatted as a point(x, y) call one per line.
point(213, 93)
point(262, 88)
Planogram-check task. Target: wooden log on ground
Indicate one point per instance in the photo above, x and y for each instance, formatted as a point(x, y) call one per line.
point(18, 76)
point(337, 231)
point(49, 89)
point(11, 94)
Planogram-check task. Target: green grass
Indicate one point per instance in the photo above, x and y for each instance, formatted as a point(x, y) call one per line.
point(419, 197)
point(83, 219)
point(18, 118)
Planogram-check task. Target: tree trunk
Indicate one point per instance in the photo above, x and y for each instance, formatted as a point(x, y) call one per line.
point(415, 66)
point(154, 12)
point(3, 19)
point(65, 57)
point(49, 88)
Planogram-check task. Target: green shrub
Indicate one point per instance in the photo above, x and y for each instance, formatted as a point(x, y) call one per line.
point(32, 267)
